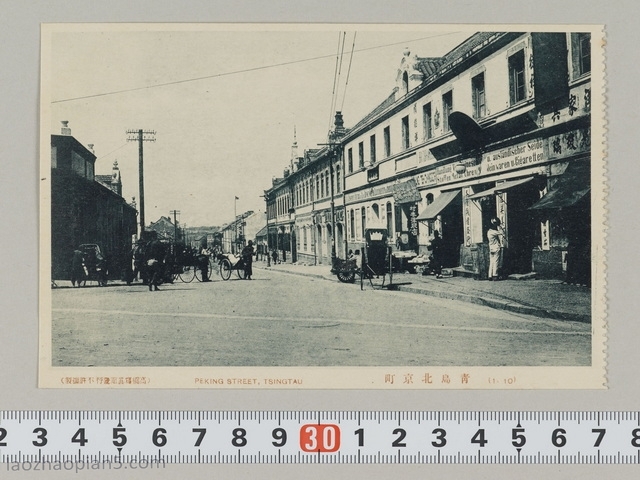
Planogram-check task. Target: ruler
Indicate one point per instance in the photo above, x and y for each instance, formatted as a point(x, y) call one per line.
point(337, 437)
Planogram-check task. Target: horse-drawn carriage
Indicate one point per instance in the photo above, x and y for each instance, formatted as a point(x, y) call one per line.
point(179, 262)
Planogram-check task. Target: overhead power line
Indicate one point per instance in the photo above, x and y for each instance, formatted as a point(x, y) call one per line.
point(344, 95)
point(236, 72)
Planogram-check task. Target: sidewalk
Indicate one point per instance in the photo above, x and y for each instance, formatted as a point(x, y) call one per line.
point(541, 298)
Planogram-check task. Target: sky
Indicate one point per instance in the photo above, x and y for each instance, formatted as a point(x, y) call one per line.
point(223, 101)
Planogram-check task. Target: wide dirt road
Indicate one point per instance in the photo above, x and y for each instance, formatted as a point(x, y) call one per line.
point(279, 319)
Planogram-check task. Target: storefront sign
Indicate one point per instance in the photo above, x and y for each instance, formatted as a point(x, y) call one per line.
point(570, 143)
point(521, 155)
point(466, 211)
point(446, 173)
point(413, 222)
point(369, 193)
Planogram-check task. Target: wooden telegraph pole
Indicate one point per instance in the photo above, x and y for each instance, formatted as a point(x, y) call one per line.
point(141, 136)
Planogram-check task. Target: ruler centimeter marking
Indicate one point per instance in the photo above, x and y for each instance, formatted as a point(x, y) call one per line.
point(338, 437)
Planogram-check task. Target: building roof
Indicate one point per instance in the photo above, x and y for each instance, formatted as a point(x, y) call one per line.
point(431, 67)
point(103, 179)
point(428, 65)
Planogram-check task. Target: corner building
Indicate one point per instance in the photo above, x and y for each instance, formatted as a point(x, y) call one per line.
point(498, 127)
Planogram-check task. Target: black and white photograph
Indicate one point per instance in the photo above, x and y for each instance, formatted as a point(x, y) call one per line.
point(322, 206)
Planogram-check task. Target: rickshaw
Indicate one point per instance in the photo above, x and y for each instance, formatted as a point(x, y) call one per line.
point(374, 261)
point(228, 262)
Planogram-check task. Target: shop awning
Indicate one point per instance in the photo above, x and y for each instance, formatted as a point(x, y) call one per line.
point(570, 188)
point(500, 188)
point(439, 204)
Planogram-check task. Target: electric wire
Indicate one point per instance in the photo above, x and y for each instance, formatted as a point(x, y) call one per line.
point(336, 78)
point(236, 72)
point(344, 95)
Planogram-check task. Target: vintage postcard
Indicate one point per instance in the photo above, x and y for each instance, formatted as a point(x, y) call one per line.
point(322, 206)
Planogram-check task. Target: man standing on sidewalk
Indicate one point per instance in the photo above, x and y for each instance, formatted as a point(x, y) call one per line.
point(436, 254)
point(495, 235)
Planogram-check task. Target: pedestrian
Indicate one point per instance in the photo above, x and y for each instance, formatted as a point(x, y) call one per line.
point(437, 247)
point(495, 235)
point(155, 258)
point(274, 257)
point(358, 258)
point(203, 264)
point(247, 259)
point(77, 268)
point(101, 270)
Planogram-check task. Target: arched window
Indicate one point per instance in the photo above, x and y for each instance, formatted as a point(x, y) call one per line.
point(389, 220)
point(376, 211)
point(338, 186)
point(405, 83)
point(429, 198)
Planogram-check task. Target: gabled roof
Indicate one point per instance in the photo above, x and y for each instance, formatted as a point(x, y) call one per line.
point(430, 66)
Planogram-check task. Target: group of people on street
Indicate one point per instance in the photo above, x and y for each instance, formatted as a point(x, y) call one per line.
point(496, 238)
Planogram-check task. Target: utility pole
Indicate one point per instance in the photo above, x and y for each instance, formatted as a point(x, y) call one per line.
point(141, 136)
point(175, 225)
point(235, 224)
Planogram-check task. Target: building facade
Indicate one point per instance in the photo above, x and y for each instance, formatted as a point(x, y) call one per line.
point(500, 126)
point(488, 130)
point(305, 213)
point(85, 211)
point(235, 235)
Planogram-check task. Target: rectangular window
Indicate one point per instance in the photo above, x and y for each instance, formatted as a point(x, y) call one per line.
point(427, 121)
point(517, 88)
point(478, 96)
point(361, 155)
point(581, 53)
point(372, 149)
point(350, 160)
point(447, 108)
point(405, 132)
point(387, 142)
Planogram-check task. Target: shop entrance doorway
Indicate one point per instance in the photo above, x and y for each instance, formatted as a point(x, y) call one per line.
point(523, 227)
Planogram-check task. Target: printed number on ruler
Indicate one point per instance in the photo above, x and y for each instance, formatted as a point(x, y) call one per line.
point(332, 437)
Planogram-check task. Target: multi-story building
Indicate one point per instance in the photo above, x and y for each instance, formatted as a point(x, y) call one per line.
point(84, 210)
point(497, 127)
point(305, 215)
point(236, 234)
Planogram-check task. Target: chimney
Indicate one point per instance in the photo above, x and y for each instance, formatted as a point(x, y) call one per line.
point(65, 127)
point(339, 129)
